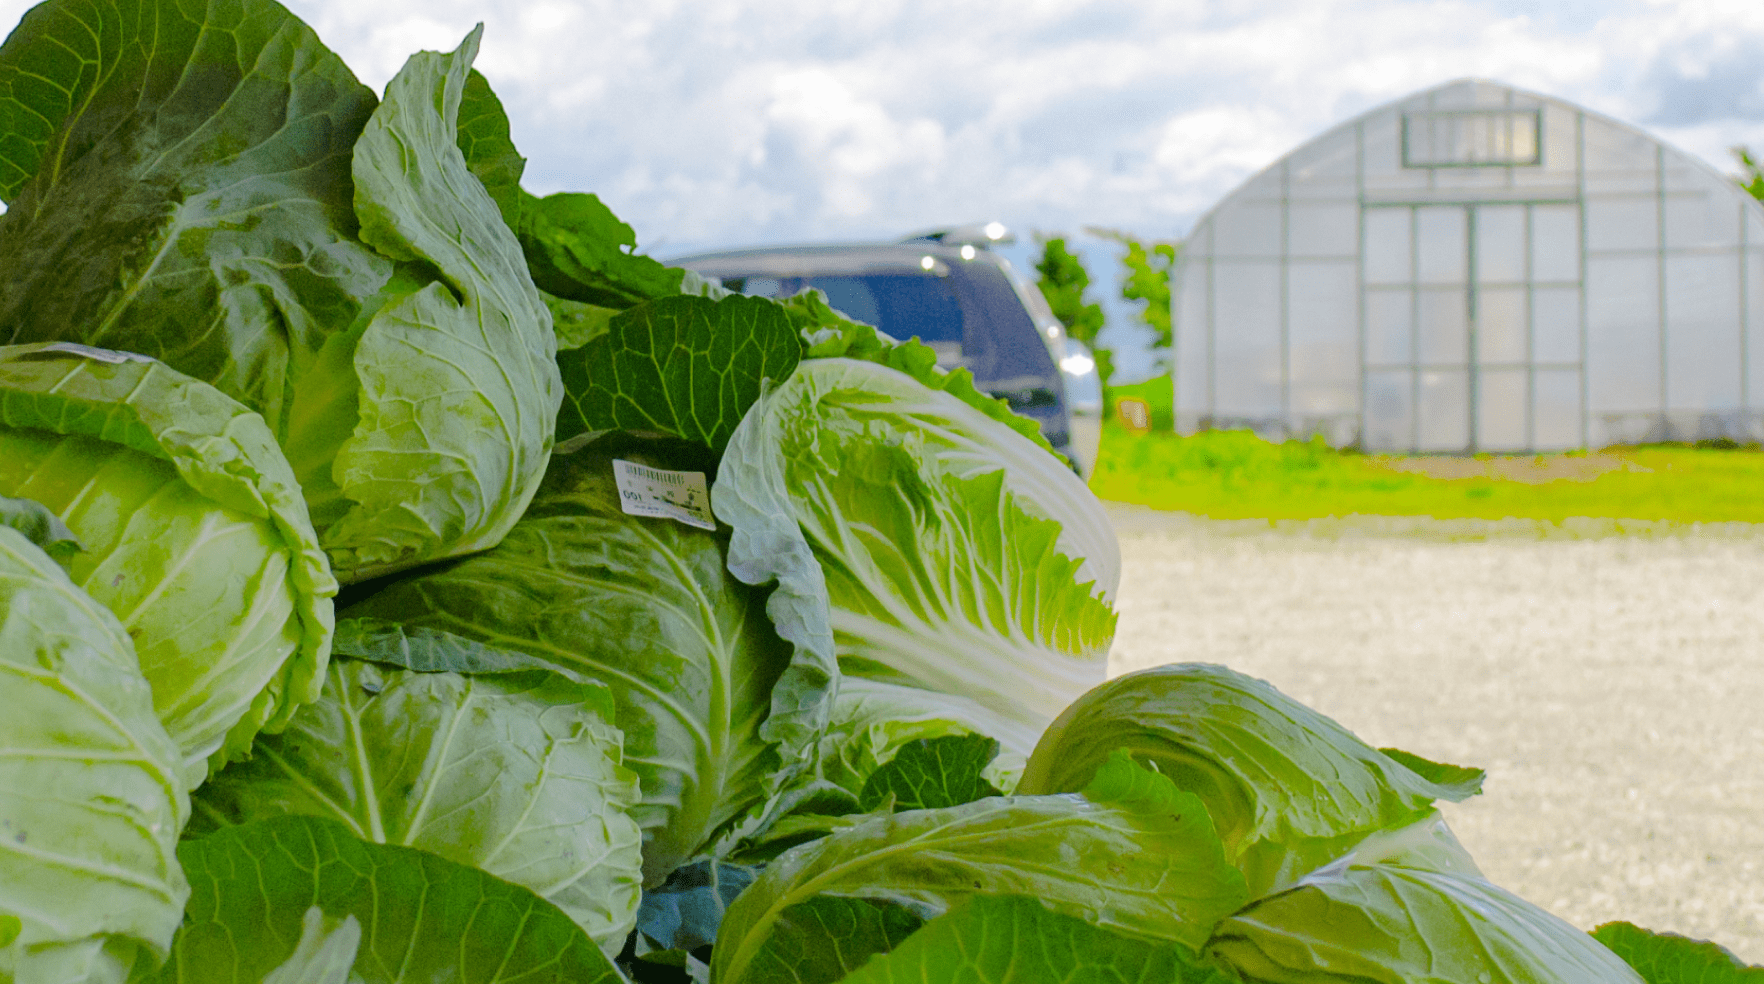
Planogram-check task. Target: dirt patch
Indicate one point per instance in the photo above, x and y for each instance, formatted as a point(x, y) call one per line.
point(1610, 684)
point(1531, 469)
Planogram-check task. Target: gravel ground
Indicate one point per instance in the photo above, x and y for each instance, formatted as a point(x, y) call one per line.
point(1609, 676)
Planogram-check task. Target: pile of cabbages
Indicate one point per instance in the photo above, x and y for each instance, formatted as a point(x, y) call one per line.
point(402, 579)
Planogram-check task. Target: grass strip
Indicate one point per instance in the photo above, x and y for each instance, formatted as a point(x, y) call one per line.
point(1237, 475)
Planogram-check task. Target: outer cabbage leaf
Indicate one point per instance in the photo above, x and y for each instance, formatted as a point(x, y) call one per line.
point(489, 149)
point(872, 720)
point(715, 710)
point(578, 249)
point(929, 773)
point(684, 366)
point(195, 534)
point(1387, 923)
point(1668, 958)
point(91, 791)
point(1289, 788)
point(824, 939)
point(1157, 873)
point(959, 594)
point(831, 335)
point(960, 562)
point(491, 155)
point(178, 181)
point(1464, 781)
point(516, 773)
point(40, 526)
point(850, 395)
point(933, 773)
point(1426, 843)
point(459, 387)
point(1009, 939)
point(256, 885)
point(428, 650)
point(576, 323)
point(325, 953)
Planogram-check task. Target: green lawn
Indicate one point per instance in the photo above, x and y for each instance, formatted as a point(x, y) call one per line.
point(1236, 475)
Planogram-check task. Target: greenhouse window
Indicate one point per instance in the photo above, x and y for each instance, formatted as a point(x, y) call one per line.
point(1471, 138)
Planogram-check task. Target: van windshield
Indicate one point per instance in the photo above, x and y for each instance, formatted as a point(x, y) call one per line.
point(902, 305)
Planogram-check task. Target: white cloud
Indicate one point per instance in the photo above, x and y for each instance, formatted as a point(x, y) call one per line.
point(720, 122)
point(857, 146)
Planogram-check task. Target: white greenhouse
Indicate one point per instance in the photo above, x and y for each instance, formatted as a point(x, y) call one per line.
point(1476, 268)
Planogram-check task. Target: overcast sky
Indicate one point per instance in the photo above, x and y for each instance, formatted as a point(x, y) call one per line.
point(733, 122)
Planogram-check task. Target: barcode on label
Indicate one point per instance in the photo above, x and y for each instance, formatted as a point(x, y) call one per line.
point(656, 492)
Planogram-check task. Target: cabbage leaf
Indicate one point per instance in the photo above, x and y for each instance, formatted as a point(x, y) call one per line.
point(458, 378)
point(1289, 788)
point(685, 911)
point(256, 885)
point(716, 710)
point(325, 953)
point(178, 182)
point(932, 773)
point(824, 939)
point(1010, 939)
point(194, 529)
point(683, 366)
point(1150, 870)
point(1668, 958)
point(488, 147)
point(1381, 921)
point(963, 567)
point(41, 527)
point(829, 334)
point(92, 795)
point(517, 774)
point(578, 249)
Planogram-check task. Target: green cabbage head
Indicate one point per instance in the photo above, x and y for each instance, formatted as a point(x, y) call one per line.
point(195, 535)
point(717, 711)
point(207, 184)
point(1407, 906)
point(1289, 788)
point(517, 774)
point(961, 572)
point(91, 790)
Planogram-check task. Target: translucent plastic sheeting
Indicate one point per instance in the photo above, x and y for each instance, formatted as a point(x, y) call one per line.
point(1503, 407)
point(1556, 410)
point(1555, 243)
point(1390, 326)
point(1248, 363)
point(1390, 408)
point(1555, 324)
point(1500, 244)
point(1703, 310)
point(1502, 327)
point(1389, 256)
point(1476, 268)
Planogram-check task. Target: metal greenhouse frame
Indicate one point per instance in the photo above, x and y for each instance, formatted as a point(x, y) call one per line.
point(1476, 268)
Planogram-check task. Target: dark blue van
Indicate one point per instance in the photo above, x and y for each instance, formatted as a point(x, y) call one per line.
point(954, 296)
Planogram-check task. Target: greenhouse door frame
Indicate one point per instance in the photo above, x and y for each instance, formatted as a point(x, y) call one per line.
point(1470, 213)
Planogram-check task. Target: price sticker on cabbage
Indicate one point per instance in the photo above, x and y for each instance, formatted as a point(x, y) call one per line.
point(676, 495)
